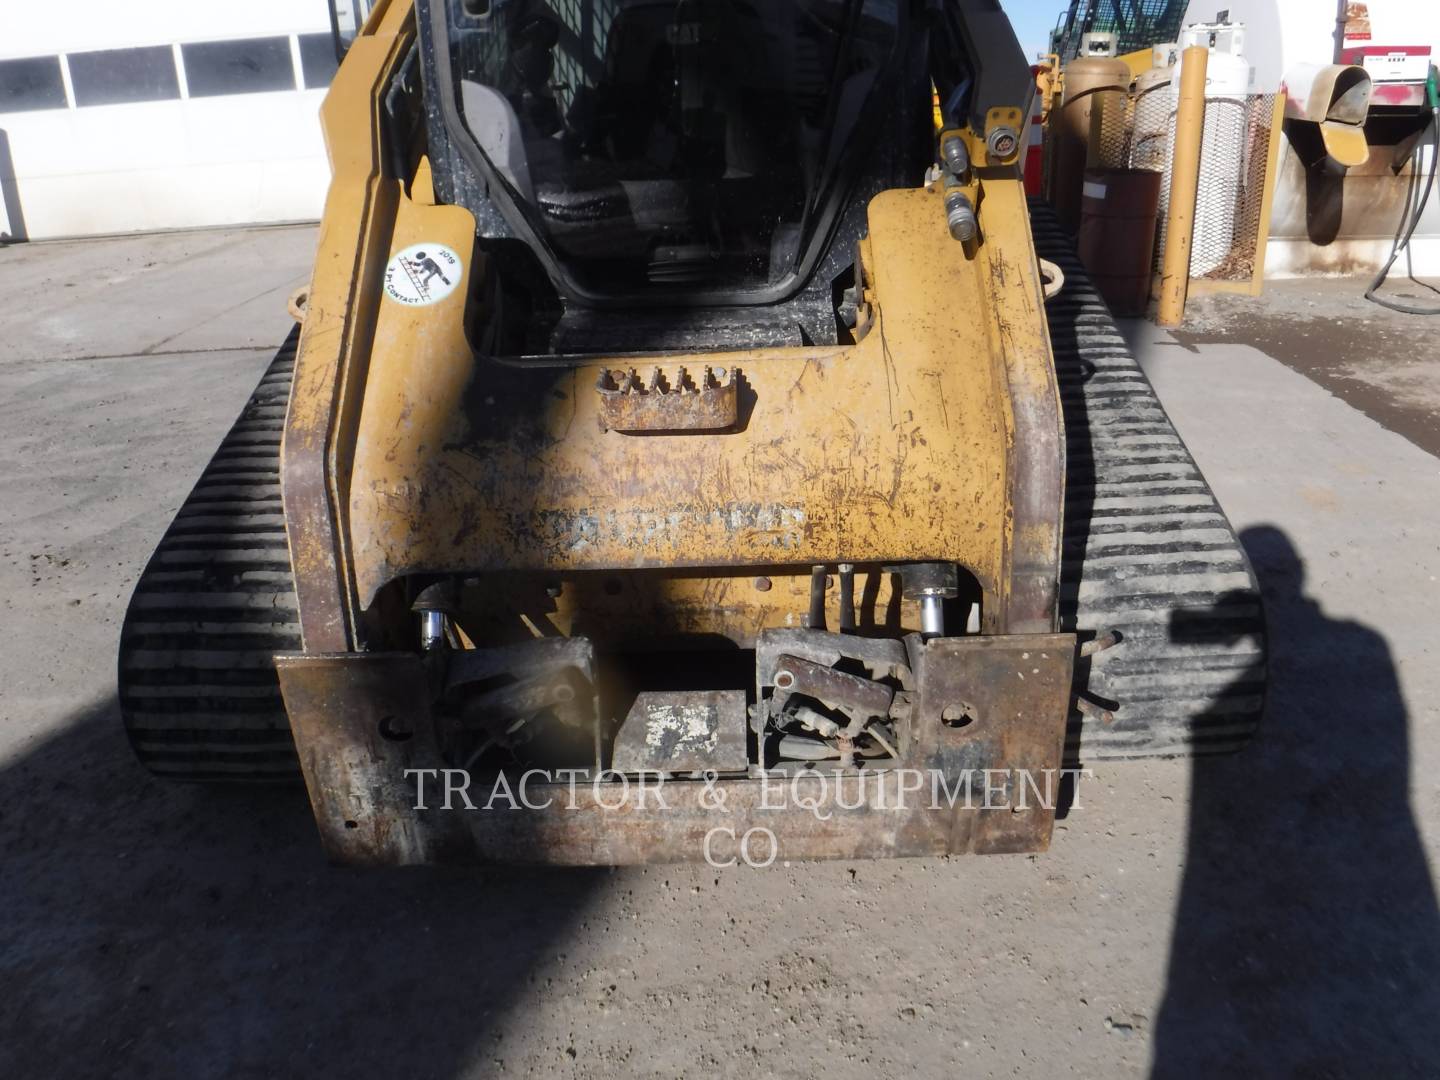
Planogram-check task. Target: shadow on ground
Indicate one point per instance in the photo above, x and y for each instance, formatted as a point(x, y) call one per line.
point(158, 930)
point(1307, 937)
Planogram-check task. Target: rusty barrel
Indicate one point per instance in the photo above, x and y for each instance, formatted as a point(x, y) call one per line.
point(1117, 234)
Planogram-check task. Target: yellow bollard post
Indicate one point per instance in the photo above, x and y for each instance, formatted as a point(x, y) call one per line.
point(1184, 184)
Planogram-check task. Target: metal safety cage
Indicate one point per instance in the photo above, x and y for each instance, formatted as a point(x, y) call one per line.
point(1138, 24)
point(1239, 153)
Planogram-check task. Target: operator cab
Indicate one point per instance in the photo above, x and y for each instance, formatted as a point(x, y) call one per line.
point(662, 175)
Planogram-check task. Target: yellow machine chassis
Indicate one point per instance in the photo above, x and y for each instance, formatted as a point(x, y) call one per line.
point(935, 437)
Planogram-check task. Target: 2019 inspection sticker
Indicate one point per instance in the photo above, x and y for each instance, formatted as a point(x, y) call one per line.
point(422, 274)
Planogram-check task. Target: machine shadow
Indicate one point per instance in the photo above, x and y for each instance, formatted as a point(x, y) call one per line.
point(155, 930)
point(1307, 934)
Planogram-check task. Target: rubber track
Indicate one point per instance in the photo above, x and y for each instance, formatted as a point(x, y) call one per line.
point(1147, 550)
point(197, 677)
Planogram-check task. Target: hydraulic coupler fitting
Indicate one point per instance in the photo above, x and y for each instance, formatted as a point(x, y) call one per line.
point(434, 605)
point(931, 584)
point(960, 215)
point(956, 156)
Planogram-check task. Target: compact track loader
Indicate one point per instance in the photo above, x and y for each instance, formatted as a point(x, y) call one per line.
point(680, 457)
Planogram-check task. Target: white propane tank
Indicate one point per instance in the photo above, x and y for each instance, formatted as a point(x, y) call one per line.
point(1223, 148)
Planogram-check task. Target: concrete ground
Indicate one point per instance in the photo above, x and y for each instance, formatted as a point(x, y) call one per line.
point(1379, 360)
point(1270, 914)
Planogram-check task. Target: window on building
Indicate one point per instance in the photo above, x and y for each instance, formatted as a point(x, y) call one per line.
point(213, 68)
point(317, 59)
point(32, 83)
point(120, 75)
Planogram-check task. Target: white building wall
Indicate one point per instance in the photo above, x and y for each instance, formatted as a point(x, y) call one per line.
point(252, 153)
point(1335, 224)
point(1282, 33)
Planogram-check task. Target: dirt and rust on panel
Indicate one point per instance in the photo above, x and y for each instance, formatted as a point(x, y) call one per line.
point(895, 448)
point(979, 774)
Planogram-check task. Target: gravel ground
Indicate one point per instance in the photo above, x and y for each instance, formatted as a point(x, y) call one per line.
point(1270, 914)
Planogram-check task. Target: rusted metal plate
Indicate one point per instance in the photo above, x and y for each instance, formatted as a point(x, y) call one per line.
point(664, 403)
point(361, 720)
point(548, 674)
point(880, 656)
point(996, 699)
point(683, 731)
point(857, 697)
point(978, 786)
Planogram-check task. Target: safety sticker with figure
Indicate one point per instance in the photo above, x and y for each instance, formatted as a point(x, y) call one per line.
point(422, 274)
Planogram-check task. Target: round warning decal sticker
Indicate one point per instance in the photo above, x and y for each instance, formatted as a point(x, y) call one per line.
point(422, 274)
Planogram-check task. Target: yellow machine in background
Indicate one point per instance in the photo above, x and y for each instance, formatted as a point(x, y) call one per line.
point(671, 402)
